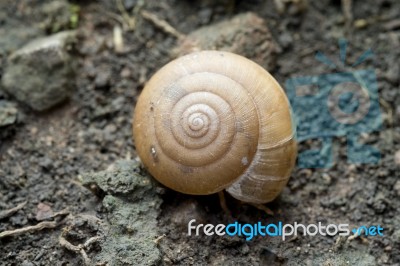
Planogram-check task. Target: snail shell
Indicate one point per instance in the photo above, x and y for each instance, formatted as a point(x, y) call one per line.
point(214, 120)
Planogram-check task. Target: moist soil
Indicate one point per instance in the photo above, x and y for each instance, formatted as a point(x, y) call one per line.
point(44, 155)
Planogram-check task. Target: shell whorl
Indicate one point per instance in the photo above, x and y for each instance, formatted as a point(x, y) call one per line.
point(202, 121)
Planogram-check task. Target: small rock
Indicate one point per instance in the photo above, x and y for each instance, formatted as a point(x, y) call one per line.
point(245, 34)
point(103, 77)
point(379, 205)
point(44, 212)
point(126, 73)
point(396, 236)
point(40, 73)
point(397, 157)
point(392, 74)
point(360, 23)
point(8, 113)
point(285, 39)
point(46, 163)
point(397, 187)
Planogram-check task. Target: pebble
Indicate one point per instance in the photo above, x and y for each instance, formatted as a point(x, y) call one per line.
point(40, 73)
point(397, 157)
point(392, 74)
point(245, 34)
point(397, 187)
point(360, 23)
point(8, 113)
point(103, 77)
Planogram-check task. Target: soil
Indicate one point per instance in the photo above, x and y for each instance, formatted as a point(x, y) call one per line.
point(44, 155)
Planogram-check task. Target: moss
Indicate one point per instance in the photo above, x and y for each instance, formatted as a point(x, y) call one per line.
point(132, 206)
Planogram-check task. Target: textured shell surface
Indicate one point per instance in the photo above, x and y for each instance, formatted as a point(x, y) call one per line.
point(214, 120)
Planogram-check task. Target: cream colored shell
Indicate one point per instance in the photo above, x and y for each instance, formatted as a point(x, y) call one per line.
point(214, 120)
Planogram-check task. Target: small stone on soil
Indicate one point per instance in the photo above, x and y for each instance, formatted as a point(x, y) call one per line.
point(397, 157)
point(8, 113)
point(245, 34)
point(40, 73)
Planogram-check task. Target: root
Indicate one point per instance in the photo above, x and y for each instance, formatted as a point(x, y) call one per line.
point(79, 249)
point(162, 24)
point(8, 213)
point(28, 229)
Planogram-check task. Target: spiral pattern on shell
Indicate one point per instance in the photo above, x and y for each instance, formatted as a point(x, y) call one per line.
point(203, 119)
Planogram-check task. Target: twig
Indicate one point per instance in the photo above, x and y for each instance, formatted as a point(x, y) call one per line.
point(354, 236)
point(60, 213)
point(64, 243)
point(162, 24)
point(158, 239)
point(91, 241)
point(130, 22)
point(79, 248)
point(347, 12)
point(27, 229)
point(8, 213)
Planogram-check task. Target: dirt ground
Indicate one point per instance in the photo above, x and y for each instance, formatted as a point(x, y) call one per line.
point(44, 155)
